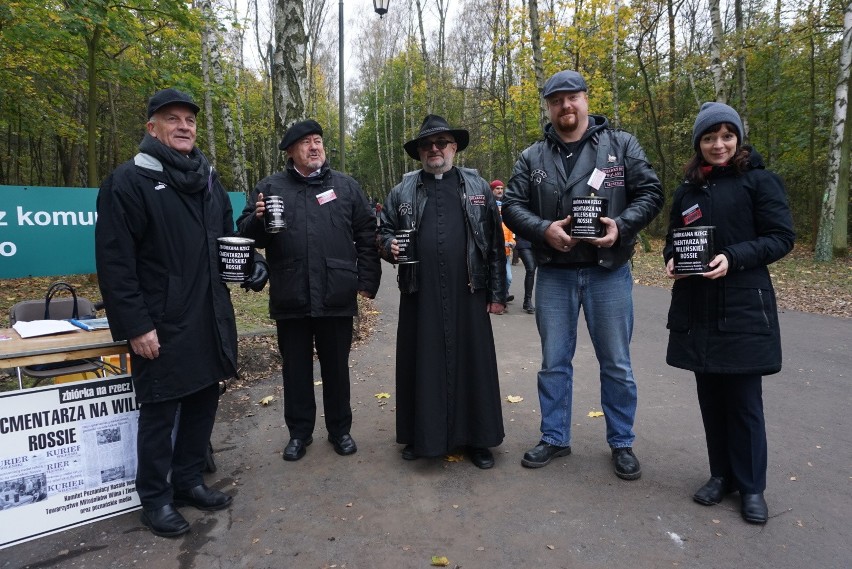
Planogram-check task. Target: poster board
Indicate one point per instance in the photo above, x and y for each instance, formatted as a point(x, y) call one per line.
point(68, 456)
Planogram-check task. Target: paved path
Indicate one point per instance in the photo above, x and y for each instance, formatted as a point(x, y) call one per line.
point(374, 510)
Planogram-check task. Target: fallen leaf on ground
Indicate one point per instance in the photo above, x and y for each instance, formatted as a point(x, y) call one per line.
point(382, 395)
point(267, 400)
point(454, 457)
point(551, 547)
point(514, 398)
point(596, 414)
point(318, 382)
point(439, 561)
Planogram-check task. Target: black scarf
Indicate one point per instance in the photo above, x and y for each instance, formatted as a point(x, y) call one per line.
point(188, 174)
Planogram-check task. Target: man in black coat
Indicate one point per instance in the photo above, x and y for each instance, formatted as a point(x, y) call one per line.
point(320, 260)
point(159, 218)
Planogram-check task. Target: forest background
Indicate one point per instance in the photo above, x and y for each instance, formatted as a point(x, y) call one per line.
point(75, 76)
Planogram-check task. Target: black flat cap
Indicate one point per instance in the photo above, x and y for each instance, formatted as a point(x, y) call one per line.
point(170, 97)
point(567, 80)
point(298, 131)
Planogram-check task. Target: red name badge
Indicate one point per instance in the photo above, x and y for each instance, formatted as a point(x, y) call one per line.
point(691, 214)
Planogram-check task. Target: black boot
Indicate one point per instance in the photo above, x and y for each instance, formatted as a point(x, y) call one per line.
point(528, 306)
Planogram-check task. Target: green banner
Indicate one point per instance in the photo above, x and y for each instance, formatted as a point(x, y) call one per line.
point(51, 231)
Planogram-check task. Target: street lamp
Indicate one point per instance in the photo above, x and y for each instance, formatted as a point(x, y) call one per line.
point(381, 8)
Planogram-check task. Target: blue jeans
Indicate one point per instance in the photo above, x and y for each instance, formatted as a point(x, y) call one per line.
point(508, 273)
point(607, 301)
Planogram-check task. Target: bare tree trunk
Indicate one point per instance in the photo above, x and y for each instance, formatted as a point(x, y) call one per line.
point(239, 37)
point(616, 119)
point(425, 54)
point(716, 52)
point(240, 183)
point(93, 45)
point(288, 64)
point(207, 37)
point(538, 65)
point(742, 80)
point(826, 237)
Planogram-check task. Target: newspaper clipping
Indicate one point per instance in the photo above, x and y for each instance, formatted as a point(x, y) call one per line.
point(68, 456)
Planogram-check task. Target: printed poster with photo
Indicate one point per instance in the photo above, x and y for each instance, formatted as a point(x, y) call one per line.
point(68, 456)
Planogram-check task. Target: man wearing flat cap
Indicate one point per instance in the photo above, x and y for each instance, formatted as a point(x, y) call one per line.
point(159, 218)
point(448, 395)
point(581, 156)
point(319, 262)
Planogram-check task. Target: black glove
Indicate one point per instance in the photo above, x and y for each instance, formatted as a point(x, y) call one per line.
point(258, 278)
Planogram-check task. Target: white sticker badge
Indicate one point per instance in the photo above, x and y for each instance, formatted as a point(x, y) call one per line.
point(596, 179)
point(326, 196)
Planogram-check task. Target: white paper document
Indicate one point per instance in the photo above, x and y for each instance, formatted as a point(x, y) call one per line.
point(43, 328)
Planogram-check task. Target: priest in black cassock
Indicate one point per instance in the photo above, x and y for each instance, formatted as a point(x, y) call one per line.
point(452, 275)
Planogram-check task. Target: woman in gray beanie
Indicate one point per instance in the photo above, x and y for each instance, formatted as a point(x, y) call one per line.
point(723, 321)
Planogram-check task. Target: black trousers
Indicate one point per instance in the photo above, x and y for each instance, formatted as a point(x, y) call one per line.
point(333, 339)
point(186, 459)
point(732, 411)
point(528, 259)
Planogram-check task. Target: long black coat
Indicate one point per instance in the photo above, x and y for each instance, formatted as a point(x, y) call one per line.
point(730, 325)
point(326, 254)
point(157, 262)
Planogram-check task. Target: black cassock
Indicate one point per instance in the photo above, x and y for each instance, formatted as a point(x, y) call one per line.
point(446, 367)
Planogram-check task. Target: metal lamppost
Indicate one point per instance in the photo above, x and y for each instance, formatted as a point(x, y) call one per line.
point(381, 8)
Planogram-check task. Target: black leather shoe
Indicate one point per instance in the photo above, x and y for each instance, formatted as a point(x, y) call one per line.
point(529, 308)
point(296, 448)
point(542, 453)
point(626, 464)
point(344, 444)
point(713, 491)
point(408, 453)
point(165, 521)
point(754, 508)
point(203, 498)
point(510, 298)
point(481, 458)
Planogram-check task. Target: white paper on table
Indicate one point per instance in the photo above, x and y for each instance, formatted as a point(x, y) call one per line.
point(43, 328)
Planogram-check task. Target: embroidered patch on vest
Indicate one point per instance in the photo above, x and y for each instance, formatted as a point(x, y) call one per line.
point(477, 199)
point(405, 209)
point(538, 176)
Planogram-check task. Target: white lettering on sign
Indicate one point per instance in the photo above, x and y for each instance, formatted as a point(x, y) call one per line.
point(43, 218)
point(2, 215)
point(8, 249)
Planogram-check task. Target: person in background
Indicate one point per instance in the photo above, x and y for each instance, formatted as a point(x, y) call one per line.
point(159, 217)
point(497, 188)
point(580, 154)
point(723, 324)
point(448, 392)
point(324, 258)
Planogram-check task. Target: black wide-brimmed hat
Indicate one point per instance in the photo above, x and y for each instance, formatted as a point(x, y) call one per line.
point(433, 124)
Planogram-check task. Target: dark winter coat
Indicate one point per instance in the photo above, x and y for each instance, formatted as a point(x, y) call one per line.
point(486, 257)
point(730, 325)
point(541, 191)
point(326, 253)
point(157, 262)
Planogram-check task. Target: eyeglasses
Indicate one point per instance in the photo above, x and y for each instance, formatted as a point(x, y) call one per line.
point(427, 145)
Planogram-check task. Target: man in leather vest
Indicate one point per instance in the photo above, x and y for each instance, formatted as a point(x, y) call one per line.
point(579, 157)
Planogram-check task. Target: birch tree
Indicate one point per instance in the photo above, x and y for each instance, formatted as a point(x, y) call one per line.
point(831, 237)
point(289, 72)
point(716, 52)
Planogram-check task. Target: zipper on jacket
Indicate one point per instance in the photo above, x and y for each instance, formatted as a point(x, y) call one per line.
point(468, 229)
point(763, 307)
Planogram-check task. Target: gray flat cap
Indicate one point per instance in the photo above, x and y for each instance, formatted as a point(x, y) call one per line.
point(566, 80)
